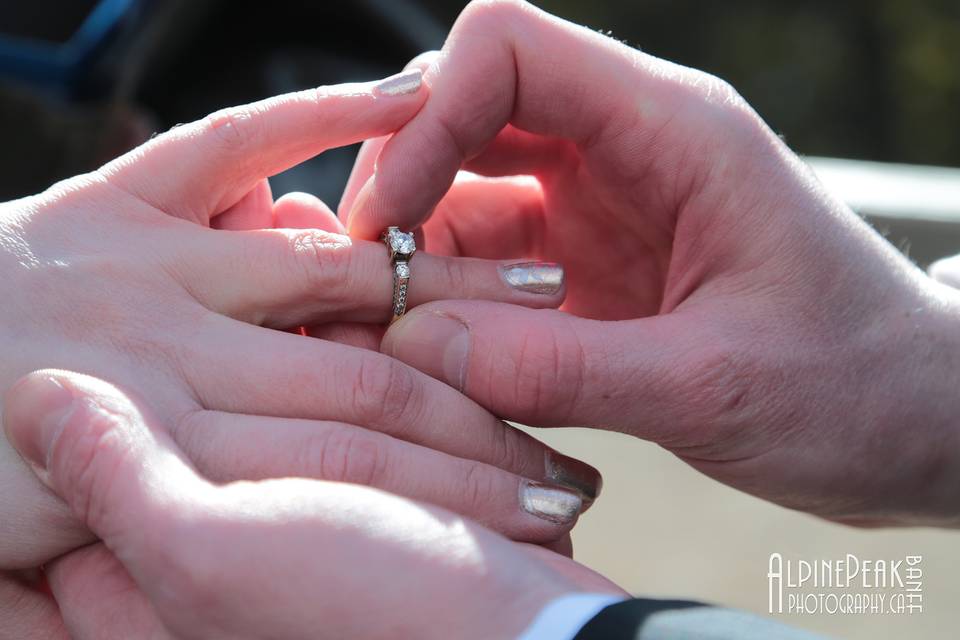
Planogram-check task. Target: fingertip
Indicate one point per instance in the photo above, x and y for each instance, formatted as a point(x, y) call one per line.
point(251, 212)
point(75, 431)
point(424, 61)
point(575, 475)
point(298, 210)
point(554, 504)
point(365, 220)
point(546, 279)
point(357, 223)
point(363, 167)
point(353, 198)
point(35, 410)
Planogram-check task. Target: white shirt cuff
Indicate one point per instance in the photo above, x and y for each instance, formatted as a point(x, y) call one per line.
point(563, 617)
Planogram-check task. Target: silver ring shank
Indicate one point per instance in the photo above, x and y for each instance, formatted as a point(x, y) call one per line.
point(401, 279)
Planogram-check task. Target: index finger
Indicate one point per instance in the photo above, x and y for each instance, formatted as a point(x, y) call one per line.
point(199, 169)
point(508, 62)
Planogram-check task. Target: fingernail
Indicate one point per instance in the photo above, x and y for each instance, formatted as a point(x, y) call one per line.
point(544, 278)
point(550, 503)
point(573, 474)
point(401, 84)
point(43, 405)
point(436, 344)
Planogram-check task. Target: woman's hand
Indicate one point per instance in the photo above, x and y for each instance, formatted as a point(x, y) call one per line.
point(117, 273)
point(725, 306)
point(284, 558)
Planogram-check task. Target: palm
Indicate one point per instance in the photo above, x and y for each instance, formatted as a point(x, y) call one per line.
point(615, 271)
point(614, 253)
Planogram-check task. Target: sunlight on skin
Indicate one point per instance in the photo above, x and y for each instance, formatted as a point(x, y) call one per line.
point(117, 272)
point(205, 556)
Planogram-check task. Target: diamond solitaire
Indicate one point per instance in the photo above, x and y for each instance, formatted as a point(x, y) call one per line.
point(400, 243)
point(402, 247)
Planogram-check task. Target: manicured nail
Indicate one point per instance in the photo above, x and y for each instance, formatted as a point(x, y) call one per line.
point(43, 405)
point(544, 278)
point(401, 84)
point(573, 474)
point(550, 503)
point(436, 344)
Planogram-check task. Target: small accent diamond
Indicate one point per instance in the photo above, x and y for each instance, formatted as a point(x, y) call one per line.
point(403, 270)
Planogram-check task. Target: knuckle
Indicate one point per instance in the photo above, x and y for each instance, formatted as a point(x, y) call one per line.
point(191, 431)
point(456, 276)
point(88, 460)
point(478, 489)
point(318, 98)
point(549, 372)
point(720, 387)
point(725, 109)
point(324, 261)
point(76, 190)
point(386, 394)
point(720, 91)
point(347, 455)
point(506, 451)
point(233, 131)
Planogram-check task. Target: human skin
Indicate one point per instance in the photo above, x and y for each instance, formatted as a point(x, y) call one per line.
point(719, 301)
point(119, 273)
point(181, 557)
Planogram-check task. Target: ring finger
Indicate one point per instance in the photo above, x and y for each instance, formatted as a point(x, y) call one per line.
point(290, 277)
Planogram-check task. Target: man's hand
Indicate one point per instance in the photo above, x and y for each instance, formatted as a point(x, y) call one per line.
point(720, 302)
point(286, 558)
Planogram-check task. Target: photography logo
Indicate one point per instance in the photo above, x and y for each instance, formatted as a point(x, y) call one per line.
point(847, 586)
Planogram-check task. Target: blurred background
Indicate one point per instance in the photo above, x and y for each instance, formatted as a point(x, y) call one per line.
point(869, 90)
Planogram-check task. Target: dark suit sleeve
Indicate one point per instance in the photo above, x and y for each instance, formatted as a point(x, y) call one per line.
point(645, 619)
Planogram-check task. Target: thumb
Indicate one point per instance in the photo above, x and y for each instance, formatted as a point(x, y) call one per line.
point(93, 447)
point(548, 368)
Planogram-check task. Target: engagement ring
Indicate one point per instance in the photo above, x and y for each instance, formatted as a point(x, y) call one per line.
point(402, 247)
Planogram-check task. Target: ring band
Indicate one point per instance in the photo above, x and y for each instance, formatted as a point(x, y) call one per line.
point(402, 247)
point(401, 276)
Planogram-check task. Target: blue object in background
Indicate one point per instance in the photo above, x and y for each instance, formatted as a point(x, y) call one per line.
point(61, 66)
